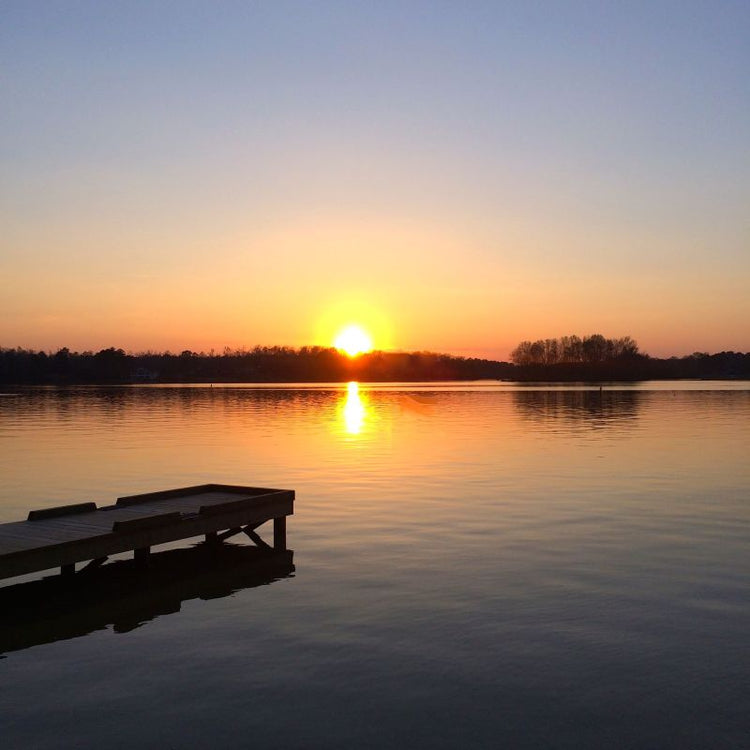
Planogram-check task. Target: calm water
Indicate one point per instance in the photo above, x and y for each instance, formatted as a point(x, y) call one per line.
point(476, 566)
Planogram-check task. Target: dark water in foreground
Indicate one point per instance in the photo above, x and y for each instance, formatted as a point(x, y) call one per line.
point(475, 567)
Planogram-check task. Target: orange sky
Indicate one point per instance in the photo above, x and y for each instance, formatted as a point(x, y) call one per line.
point(456, 185)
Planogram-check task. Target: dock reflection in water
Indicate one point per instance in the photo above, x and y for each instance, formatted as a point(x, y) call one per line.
point(126, 595)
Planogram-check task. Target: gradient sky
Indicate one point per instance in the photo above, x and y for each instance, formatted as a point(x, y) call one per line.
point(456, 176)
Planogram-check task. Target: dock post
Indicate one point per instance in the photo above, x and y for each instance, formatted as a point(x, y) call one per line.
point(279, 533)
point(68, 569)
point(212, 537)
point(142, 555)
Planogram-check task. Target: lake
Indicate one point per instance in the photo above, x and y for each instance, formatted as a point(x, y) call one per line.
point(476, 565)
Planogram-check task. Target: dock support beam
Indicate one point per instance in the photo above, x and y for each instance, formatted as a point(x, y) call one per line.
point(256, 538)
point(279, 533)
point(94, 564)
point(229, 533)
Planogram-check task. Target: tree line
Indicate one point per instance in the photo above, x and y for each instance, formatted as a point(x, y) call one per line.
point(257, 365)
point(569, 358)
point(597, 358)
point(574, 349)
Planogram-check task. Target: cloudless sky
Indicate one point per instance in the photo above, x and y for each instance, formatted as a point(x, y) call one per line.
point(455, 176)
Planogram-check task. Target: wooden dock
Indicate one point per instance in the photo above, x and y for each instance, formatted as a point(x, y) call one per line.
point(66, 535)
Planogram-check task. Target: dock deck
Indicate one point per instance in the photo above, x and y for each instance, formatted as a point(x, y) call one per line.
point(70, 534)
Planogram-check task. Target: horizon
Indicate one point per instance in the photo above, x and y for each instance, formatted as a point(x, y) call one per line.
point(451, 179)
point(248, 349)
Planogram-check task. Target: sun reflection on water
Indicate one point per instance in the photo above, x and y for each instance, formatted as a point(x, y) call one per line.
point(355, 409)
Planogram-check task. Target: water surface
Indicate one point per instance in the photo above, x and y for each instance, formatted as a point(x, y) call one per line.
point(476, 566)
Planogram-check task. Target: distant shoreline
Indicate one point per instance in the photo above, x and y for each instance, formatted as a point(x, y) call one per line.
point(311, 365)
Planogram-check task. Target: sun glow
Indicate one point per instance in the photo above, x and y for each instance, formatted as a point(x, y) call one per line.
point(353, 340)
point(353, 311)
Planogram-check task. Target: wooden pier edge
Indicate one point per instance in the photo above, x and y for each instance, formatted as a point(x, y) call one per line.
point(62, 537)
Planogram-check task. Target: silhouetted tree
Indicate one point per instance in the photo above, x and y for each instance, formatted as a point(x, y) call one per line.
point(572, 349)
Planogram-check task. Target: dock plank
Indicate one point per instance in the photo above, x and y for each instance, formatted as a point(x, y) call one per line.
point(60, 510)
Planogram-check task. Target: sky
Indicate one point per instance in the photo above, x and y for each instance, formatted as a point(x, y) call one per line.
point(452, 176)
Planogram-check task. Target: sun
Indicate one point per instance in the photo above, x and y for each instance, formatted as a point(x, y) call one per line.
point(353, 340)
